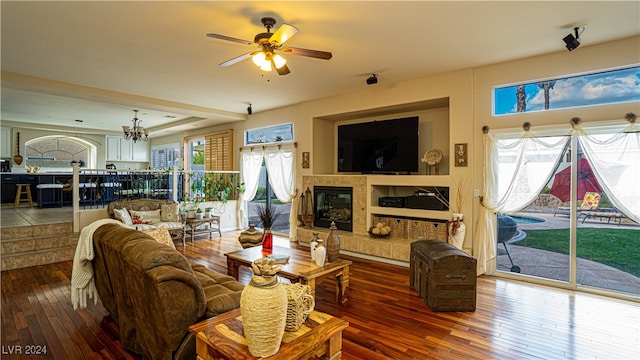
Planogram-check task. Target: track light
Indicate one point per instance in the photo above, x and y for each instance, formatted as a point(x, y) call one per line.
point(249, 109)
point(571, 40)
point(373, 79)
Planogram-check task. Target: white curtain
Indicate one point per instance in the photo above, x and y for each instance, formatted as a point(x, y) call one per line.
point(251, 166)
point(280, 162)
point(515, 172)
point(615, 160)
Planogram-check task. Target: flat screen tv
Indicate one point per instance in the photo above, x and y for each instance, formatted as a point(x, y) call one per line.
point(379, 147)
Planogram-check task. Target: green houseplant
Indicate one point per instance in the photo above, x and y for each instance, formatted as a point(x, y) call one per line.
point(222, 187)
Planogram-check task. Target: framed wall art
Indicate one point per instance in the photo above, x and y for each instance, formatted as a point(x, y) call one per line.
point(460, 152)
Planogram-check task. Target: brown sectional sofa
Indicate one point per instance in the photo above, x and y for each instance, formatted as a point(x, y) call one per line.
point(154, 293)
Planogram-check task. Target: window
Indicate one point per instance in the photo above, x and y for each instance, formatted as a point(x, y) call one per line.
point(218, 153)
point(195, 154)
point(600, 88)
point(165, 156)
point(271, 134)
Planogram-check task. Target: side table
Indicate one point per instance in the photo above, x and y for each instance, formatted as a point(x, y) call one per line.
point(214, 225)
point(222, 337)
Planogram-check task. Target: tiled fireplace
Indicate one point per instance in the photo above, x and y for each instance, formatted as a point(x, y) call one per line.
point(333, 204)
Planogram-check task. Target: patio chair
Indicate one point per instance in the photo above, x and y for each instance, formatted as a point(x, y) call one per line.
point(589, 202)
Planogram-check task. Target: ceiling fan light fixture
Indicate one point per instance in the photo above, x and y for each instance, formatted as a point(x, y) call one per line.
point(259, 59)
point(266, 66)
point(279, 61)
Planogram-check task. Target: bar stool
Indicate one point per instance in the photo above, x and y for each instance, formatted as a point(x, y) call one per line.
point(110, 191)
point(57, 194)
point(23, 189)
point(87, 193)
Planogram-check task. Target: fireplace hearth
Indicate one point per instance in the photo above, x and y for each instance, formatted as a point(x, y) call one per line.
point(333, 203)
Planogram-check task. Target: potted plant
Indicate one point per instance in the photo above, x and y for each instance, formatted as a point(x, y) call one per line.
point(199, 214)
point(268, 214)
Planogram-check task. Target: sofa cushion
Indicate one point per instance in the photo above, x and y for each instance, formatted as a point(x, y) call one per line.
point(222, 292)
point(123, 215)
point(169, 213)
point(146, 217)
point(161, 235)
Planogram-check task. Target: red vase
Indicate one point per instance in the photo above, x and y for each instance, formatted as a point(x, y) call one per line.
point(267, 242)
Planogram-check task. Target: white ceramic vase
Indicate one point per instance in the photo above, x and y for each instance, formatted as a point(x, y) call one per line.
point(457, 230)
point(313, 244)
point(320, 253)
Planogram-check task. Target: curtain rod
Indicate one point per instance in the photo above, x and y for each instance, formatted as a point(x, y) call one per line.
point(574, 122)
point(295, 144)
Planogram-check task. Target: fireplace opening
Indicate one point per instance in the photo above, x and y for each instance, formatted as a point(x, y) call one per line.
point(333, 203)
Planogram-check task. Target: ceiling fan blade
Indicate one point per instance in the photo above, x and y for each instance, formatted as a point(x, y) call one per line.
point(284, 70)
point(284, 33)
point(324, 55)
point(237, 59)
point(229, 38)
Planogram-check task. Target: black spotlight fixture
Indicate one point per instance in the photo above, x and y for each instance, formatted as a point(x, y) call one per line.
point(249, 109)
point(373, 79)
point(571, 40)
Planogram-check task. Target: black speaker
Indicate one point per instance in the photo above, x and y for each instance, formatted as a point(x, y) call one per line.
point(397, 202)
point(424, 203)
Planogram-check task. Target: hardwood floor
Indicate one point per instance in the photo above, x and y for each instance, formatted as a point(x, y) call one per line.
point(387, 319)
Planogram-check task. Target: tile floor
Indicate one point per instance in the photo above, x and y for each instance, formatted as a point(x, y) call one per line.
point(25, 215)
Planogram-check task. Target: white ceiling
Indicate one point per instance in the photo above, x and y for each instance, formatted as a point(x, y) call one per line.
point(97, 61)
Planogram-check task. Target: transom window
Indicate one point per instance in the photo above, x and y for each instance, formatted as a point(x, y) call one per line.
point(607, 87)
point(271, 134)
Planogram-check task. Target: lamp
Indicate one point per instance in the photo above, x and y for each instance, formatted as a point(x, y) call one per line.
point(266, 57)
point(137, 132)
point(572, 41)
point(373, 79)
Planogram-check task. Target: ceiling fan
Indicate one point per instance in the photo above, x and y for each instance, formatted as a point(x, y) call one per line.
point(269, 42)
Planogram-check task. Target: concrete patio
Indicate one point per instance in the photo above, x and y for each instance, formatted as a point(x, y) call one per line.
point(551, 265)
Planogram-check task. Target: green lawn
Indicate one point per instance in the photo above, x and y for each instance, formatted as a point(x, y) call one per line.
point(618, 248)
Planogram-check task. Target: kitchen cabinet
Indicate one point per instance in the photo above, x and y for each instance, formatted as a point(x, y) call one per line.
point(5, 142)
point(121, 149)
point(140, 151)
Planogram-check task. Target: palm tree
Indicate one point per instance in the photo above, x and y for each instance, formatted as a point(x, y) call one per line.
point(546, 86)
point(521, 97)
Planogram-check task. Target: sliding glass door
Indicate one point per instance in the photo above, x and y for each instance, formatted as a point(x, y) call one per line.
point(573, 232)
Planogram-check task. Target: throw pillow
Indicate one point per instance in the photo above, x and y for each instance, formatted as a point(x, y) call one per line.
point(169, 213)
point(147, 217)
point(161, 235)
point(123, 216)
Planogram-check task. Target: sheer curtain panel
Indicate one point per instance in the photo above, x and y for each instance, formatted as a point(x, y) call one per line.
point(251, 165)
point(615, 160)
point(515, 172)
point(280, 161)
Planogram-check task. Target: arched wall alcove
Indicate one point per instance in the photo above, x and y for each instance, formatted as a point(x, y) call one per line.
point(58, 151)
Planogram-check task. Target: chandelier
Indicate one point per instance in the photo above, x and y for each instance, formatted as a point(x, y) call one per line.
point(137, 132)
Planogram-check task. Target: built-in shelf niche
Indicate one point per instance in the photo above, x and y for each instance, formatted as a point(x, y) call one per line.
point(434, 132)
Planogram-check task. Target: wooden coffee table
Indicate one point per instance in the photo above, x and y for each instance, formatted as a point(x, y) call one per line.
point(222, 337)
point(300, 268)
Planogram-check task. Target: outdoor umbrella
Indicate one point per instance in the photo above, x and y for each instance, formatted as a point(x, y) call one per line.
point(561, 187)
